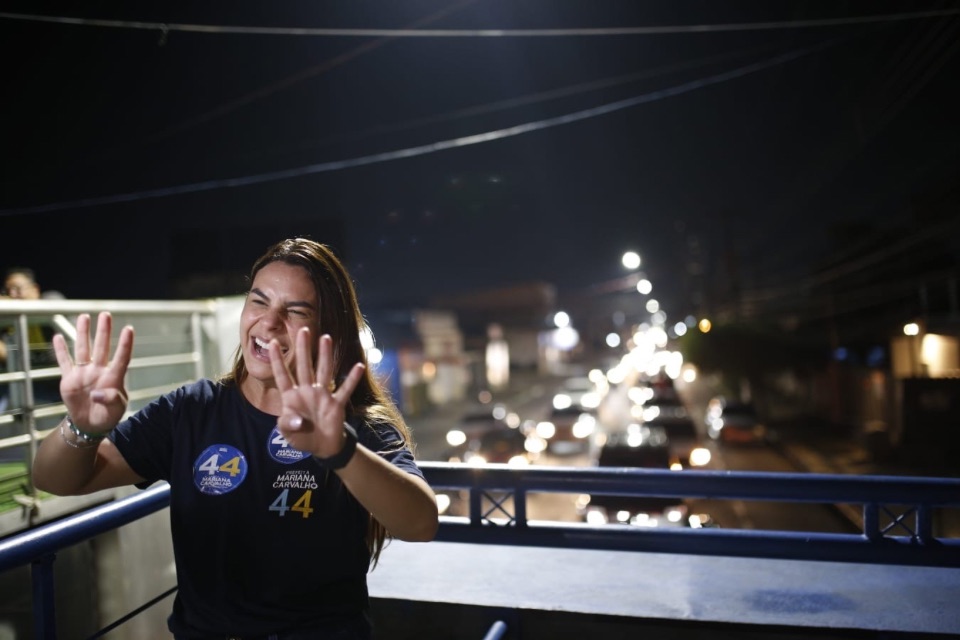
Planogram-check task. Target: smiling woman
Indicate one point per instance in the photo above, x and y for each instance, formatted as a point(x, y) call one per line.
point(272, 462)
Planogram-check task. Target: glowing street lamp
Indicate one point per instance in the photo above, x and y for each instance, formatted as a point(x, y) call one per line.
point(631, 260)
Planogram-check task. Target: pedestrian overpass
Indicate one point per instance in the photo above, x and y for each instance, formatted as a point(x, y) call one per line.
point(101, 565)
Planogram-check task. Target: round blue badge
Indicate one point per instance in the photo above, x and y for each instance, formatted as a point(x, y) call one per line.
point(281, 451)
point(220, 469)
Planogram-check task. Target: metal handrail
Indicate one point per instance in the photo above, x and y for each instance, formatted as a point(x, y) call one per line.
point(503, 487)
point(39, 546)
point(167, 363)
point(496, 631)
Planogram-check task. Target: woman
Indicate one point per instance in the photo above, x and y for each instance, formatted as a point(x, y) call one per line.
point(286, 476)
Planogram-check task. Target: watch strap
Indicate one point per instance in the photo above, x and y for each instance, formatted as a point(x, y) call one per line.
point(340, 460)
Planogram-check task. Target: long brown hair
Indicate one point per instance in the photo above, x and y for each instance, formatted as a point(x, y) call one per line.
point(340, 316)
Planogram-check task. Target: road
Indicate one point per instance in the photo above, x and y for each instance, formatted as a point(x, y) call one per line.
point(531, 401)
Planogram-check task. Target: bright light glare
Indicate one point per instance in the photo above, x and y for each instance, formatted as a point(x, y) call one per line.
point(631, 260)
point(584, 426)
point(561, 319)
point(366, 337)
point(518, 461)
point(534, 444)
point(652, 305)
point(699, 457)
point(566, 338)
point(590, 400)
point(680, 328)
point(705, 325)
point(596, 517)
point(374, 355)
point(455, 437)
point(689, 373)
point(562, 401)
point(911, 329)
point(617, 374)
point(443, 502)
point(546, 430)
point(613, 340)
point(644, 286)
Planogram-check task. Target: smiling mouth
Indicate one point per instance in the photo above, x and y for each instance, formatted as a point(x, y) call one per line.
point(261, 348)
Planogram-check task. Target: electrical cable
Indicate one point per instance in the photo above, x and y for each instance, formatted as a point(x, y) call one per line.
point(464, 141)
point(481, 33)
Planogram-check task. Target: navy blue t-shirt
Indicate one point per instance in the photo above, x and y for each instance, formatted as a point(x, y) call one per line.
point(265, 539)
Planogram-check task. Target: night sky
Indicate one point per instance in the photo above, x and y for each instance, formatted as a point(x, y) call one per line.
point(716, 145)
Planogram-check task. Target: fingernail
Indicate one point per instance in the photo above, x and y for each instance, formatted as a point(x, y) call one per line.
point(97, 396)
point(296, 422)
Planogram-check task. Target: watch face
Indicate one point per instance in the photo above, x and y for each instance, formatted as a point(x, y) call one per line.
point(281, 451)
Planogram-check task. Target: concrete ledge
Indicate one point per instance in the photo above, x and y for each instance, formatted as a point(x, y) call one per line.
point(807, 599)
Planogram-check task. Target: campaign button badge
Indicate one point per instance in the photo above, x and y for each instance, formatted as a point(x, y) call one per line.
point(220, 469)
point(281, 451)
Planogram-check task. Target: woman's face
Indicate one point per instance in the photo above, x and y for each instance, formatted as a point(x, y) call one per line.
point(281, 301)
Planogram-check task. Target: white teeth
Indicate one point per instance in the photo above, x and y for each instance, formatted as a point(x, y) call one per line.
point(261, 343)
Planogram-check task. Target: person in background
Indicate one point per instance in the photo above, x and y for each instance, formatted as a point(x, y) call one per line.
point(287, 474)
point(20, 283)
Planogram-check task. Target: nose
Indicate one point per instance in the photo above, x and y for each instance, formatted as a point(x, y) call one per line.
point(271, 318)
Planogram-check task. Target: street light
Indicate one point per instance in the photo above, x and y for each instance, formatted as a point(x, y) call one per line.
point(631, 260)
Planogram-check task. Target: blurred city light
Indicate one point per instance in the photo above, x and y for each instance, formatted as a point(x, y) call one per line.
point(631, 260)
point(613, 340)
point(644, 286)
point(911, 329)
point(705, 325)
point(561, 319)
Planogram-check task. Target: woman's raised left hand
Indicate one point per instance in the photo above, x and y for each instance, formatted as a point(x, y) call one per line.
point(314, 406)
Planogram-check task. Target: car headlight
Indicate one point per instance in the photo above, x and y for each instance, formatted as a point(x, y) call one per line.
point(699, 457)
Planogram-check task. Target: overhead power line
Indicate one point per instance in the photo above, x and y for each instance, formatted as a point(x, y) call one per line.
point(165, 27)
point(489, 136)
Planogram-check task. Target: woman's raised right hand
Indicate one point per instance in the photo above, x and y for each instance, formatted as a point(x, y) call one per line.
point(91, 384)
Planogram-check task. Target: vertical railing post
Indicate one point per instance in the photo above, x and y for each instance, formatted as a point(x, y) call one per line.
point(476, 510)
point(44, 607)
point(924, 523)
point(196, 330)
point(520, 507)
point(871, 520)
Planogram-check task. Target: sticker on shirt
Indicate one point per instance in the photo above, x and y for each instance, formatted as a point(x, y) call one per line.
point(219, 469)
point(281, 451)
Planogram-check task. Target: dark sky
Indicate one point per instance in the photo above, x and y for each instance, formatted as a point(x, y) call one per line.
point(745, 145)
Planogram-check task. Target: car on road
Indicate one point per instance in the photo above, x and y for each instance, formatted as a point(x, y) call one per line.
point(687, 447)
point(478, 420)
point(567, 430)
point(734, 422)
point(498, 446)
point(580, 392)
point(638, 447)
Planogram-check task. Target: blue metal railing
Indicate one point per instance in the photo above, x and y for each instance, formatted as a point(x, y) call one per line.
point(496, 631)
point(494, 489)
point(507, 488)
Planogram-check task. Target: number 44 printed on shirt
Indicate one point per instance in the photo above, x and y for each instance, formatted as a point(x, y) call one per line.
point(280, 505)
